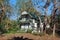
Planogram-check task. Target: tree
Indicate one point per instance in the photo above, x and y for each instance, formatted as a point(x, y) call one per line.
point(39, 21)
point(53, 17)
point(5, 7)
point(54, 14)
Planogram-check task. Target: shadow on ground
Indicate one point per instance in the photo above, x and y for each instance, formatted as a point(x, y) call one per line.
point(20, 38)
point(2, 35)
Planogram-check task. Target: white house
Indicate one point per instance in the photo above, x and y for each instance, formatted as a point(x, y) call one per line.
point(28, 22)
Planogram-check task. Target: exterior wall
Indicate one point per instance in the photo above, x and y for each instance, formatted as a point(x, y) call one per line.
point(32, 22)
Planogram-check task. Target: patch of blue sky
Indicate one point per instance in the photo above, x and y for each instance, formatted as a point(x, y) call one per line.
point(12, 2)
point(41, 10)
point(57, 1)
point(14, 16)
point(42, 3)
point(58, 5)
point(14, 13)
point(26, 0)
point(50, 8)
point(39, 2)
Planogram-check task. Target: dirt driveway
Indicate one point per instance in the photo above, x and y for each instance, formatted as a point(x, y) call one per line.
point(26, 36)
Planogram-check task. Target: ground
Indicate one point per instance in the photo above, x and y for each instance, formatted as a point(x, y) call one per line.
point(26, 36)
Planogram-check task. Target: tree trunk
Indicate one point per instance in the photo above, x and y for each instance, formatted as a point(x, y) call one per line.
point(54, 17)
point(40, 27)
point(54, 30)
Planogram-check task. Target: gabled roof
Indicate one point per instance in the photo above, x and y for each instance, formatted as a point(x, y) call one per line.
point(24, 12)
point(32, 15)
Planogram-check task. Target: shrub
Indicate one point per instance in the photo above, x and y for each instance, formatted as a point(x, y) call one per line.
point(41, 34)
point(12, 30)
point(35, 33)
point(29, 30)
point(22, 31)
point(2, 29)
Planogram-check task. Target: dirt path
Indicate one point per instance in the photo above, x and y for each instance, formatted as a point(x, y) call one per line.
point(26, 36)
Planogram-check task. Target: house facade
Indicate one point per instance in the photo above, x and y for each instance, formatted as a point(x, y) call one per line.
point(27, 21)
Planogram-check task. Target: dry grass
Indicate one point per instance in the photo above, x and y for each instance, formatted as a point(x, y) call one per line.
point(29, 36)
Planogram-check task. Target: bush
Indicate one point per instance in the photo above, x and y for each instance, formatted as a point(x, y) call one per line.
point(29, 31)
point(22, 31)
point(12, 30)
point(41, 34)
point(2, 29)
point(35, 33)
point(49, 31)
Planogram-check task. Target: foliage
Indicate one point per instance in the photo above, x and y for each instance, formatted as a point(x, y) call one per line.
point(49, 31)
point(41, 34)
point(22, 31)
point(5, 7)
point(12, 30)
point(12, 25)
point(35, 33)
point(29, 31)
point(2, 29)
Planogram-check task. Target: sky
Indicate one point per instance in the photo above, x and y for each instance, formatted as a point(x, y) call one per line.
point(40, 3)
point(41, 9)
point(14, 15)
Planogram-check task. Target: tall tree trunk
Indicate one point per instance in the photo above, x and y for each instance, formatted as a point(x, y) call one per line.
point(54, 30)
point(40, 27)
point(54, 14)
